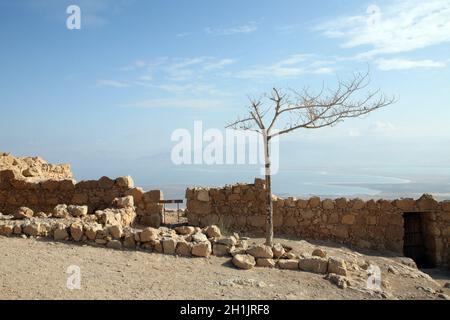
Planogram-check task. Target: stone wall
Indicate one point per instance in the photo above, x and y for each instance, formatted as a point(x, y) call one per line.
point(34, 168)
point(16, 192)
point(374, 224)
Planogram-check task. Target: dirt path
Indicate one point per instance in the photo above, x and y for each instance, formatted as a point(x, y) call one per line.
point(36, 269)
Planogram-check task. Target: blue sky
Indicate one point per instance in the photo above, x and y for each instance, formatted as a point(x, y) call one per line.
point(106, 98)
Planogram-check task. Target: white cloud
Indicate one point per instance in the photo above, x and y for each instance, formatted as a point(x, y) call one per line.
point(402, 26)
point(177, 103)
point(290, 67)
point(405, 64)
point(383, 128)
point(218, 64)
point(288, 29)
point(112, 83)
point(139, 64)
point(242, 29)
point(194, 68)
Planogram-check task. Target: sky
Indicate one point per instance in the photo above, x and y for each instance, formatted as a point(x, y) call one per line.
point(107, 97)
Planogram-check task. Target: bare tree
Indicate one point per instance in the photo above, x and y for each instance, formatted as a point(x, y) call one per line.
point(305, 110)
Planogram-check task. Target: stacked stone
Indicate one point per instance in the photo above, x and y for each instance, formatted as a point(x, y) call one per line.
point(372, 224)
point(231, 205)
point(149, 210)
point(95, 194)
point(281, 257)
point(34, 168)
point(112, 227)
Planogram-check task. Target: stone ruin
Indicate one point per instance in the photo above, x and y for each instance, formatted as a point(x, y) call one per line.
point(373, 224)
point(34, 168)
point(104, 212)
point(116, 214)
point(39, 186)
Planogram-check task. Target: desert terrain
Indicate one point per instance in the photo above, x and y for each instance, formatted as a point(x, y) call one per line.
point(36, 269)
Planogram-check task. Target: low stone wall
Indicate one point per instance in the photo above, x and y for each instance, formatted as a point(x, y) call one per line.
point(366, 224)
point(111, 227)
point(16, 192)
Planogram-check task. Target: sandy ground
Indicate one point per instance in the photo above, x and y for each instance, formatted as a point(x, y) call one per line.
point(36, 269)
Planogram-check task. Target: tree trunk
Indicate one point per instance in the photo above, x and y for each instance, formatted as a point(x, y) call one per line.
point(269, 221)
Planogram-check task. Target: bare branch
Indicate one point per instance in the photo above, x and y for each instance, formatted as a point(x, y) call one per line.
point(304, 109)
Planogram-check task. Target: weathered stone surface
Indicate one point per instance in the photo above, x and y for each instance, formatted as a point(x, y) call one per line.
point(105, 183)
point(405, 204)
point(201, 249)
point(157, 245)
point(32, 229)
point(337, 266)
point(77, 211)
point(220, 249)
point(446, 206)
point(203, 195)
point(313, 264)
point(199, 237)
point(23, 213)
point(129, 241)
point(137, 193)
point(149, 234)
point(125, 182)
point(76, 231)
point(260, 251)
point(169, 245)
point(228, 241)
point(91, 231)
point(153, 220)
point(278, 250)
point(265, 263)
point(185, 230)
point(348, 219)
point(340, 281)
point(244, 261)
point(124, 202)
point(40, 214)
point(320, 253)
point(288, 264)
point(328, 204)
point(60, 211)
point(213, 232)
point(340, 231)
point(289, 256)
point(184, 248)
point(17, 229)
point(341, 203)
point(6, 230)
point(60, 233)
point(314, 202)
point(358, 204)
point(427, 203)
point(115, 231)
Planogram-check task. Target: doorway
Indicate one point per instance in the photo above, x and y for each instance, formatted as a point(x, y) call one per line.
point(414, 241)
